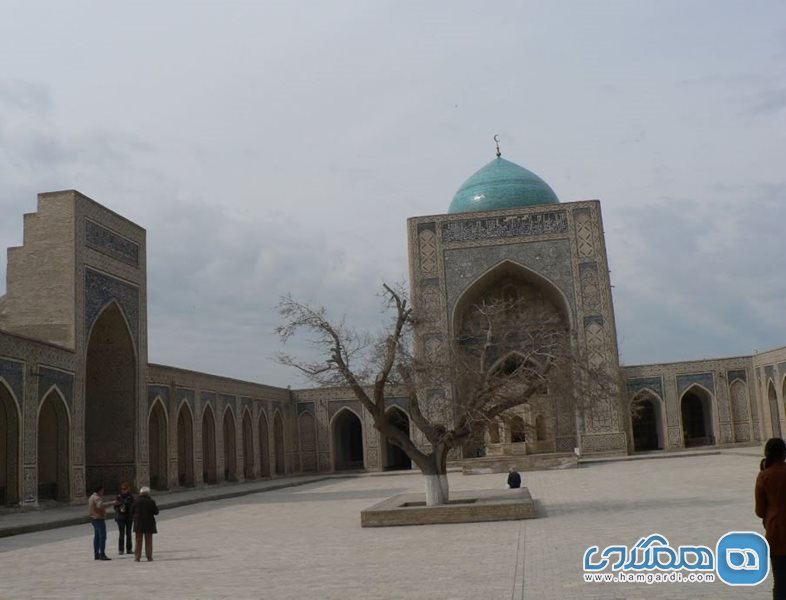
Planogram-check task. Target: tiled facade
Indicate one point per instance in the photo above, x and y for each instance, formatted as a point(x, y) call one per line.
point(80, 404)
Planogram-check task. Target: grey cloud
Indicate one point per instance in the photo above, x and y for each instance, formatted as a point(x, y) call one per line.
point(702, 279)
point(215, 280)
point(26, 96)
point(769, 101)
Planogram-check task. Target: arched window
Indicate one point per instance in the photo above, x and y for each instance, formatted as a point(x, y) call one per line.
point(517, 430)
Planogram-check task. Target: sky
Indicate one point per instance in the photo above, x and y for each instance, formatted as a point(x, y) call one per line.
point(270, 148)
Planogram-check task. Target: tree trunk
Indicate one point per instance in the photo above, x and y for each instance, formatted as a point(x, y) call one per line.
point(436, 479)
point(436, 489)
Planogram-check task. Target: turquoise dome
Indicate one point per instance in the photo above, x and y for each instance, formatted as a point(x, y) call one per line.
point(501, 184)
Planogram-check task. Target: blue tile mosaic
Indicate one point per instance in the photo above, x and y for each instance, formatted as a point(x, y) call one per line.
point(737, 374)
point(704, 379)
point(64, 381)
point(108, 242)
point(14, 374)
point(100, 290)
point(305, 406)
point(157, 391)
point(636, 384)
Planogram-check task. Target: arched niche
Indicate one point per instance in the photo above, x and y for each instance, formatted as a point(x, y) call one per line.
point(230, 446)
point(646, 422)
point(395, 458)
point(110, 401)
point(278, 440)
point(53, 447)
point(248, 446)
point(158, 442)
point(185, 446)
point(209, 471)
point(775, 419)
point(696, 412)
point(514, 319)
point(308, 441)
point(264, 446)
point(347, 441)
point(10, 423)
point(518, 430)
point(512, 283)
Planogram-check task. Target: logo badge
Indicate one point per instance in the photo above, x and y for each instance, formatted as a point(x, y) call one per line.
point(743, 558)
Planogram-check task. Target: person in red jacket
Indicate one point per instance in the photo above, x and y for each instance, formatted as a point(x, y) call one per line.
point(771, 506)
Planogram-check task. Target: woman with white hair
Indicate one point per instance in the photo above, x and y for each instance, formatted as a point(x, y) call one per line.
point(144, 511)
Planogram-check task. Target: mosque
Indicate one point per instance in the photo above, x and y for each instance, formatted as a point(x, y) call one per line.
point(81, 405)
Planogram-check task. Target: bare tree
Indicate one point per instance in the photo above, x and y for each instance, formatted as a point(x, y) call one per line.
point(502, 356)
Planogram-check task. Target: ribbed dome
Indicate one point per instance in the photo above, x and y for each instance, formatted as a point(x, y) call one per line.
point(501, 184)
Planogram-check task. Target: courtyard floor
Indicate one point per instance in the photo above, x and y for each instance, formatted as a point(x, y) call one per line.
point(306, 542)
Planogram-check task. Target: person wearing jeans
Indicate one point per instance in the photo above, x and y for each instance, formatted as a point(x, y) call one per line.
point(97, 512)
point(123, 518)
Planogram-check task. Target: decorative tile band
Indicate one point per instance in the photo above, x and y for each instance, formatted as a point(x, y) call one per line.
point(108, 242)
point(101, 289)
point(738, 374)
point(505, 227)
point(64, 381)
point(305, 407)
point(157, 391)
point(13, 373)
point(704, 379)
point(636, 384)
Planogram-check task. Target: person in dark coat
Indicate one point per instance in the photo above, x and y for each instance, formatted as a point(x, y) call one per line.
point(771, 506)
point(123, 503)
point(514, 479)
point(144, 511)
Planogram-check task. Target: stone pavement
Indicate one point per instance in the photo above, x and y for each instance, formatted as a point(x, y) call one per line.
point(15, 522)
point(306, 541)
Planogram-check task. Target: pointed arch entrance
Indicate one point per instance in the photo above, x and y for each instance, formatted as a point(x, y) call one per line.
point(347, 441)
point(278, 439)
point(646, 423)
point(110, 402)
point(248, 447)
point(53, 445)
point(696, 408)
point(9, 447)
point(774, 416)
point(230, 446)
point(208, 446)
point(264, 446)
point(515, 318)
point(395, 458)
point(157, 446)
point(185, 447)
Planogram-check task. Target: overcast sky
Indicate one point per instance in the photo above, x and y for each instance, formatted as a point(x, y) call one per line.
point(275, 147)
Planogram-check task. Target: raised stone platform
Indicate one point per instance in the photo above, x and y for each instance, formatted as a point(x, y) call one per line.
point(463, 507)
point(529, 462)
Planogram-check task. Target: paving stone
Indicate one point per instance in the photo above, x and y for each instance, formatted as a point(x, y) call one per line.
point(306, 541)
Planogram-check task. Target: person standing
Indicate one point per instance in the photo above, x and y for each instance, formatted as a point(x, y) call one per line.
point(144, 511)
point(771, 506)
point(123, 518)
point(96, 508)
point(514, 479)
